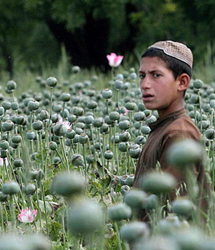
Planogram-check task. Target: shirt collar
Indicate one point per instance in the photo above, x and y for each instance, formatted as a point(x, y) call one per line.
point(168, 118)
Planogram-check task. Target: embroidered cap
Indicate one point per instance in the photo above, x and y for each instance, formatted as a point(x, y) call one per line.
point(176, 50)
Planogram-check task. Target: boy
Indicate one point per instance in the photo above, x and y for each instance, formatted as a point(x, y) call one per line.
point(165, 72)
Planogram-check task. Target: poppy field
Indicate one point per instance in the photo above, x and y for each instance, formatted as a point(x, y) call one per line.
point(68, 155)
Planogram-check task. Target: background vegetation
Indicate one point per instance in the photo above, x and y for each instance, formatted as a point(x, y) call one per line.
point(32, 32)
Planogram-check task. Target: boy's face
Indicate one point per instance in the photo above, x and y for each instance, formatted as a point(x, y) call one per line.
point(158, 86)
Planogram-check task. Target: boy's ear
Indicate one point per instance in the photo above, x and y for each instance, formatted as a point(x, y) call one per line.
point(184, 81)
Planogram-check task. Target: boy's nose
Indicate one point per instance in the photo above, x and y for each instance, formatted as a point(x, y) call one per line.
point(145, 83)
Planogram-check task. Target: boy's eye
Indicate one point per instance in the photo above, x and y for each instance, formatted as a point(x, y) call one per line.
point(141, 76)
point(156, 75)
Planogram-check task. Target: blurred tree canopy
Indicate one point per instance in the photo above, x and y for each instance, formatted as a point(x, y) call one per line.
point(33, 31)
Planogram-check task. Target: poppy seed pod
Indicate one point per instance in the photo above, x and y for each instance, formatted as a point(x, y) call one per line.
point(29, 189)
point(11, 85)
point(60, 129)
point(124, 125)
point(125, 189)
point(44, 114)
point(36, 241)
point(1, 111)
point(17, 163)
point(30, 135)
point(33, 105)
point(92, 105)
point(37, 125)
point(119, 212)
point(98, 122)
point(125, 136)
point(51, 82)
point(6, 105)
point(157, 182)
point(65, 97)
point(197, 84)
point(139, 116)
point(130, 106)
point(90, 159)
point(151, 202)
point(123, 146)
point(78, 111)
point(151, 119)
point(108, 155)
point(70, 133)
point(85, 217)
point(14, 105)
point(16, 138)
point(4, 144)
point(185, 153)
point(53, 145)
point(114, 115)
point(135, 198)
point(107, 93)
point(68, 183)
point(77, 160)
point(182, 206)
point(7, 125)
point(83, 138)
point(118, 84)
point(89, 119)
point(3, 197)
point(210, 134)
point(134, 151)
point(10, 187)
point(76, 69)
point(133, 231)
point(104, 129)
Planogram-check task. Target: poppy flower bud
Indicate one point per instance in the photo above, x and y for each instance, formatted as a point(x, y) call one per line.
point(51, 82)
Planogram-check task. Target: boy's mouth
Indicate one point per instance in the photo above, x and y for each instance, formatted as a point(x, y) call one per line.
point(147, 97)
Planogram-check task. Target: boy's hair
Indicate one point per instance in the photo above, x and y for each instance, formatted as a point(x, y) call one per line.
point(178, 67)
